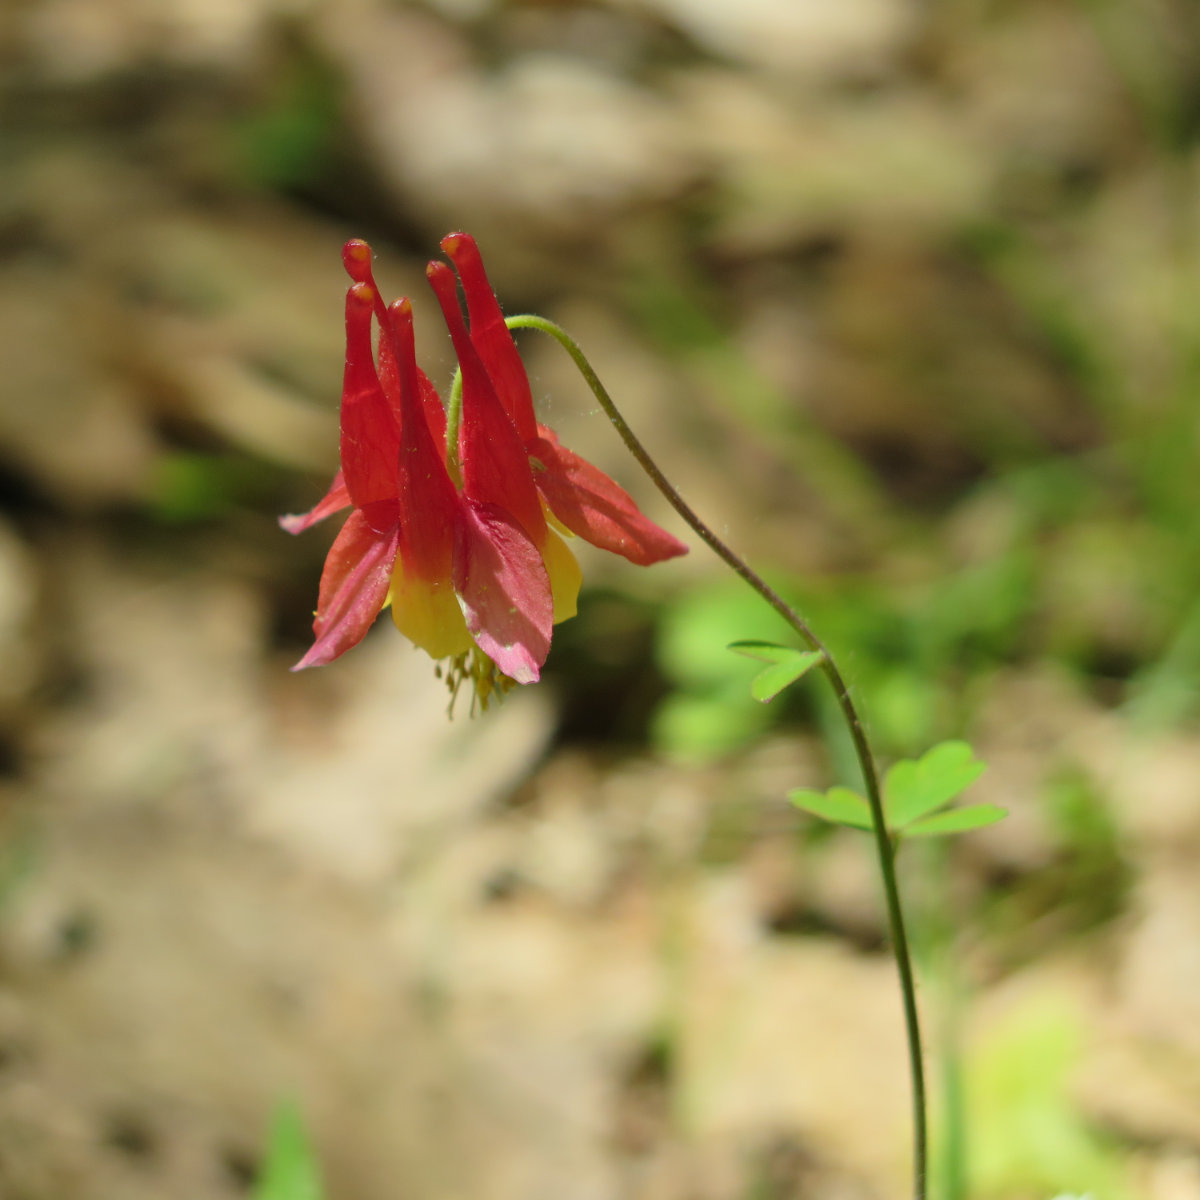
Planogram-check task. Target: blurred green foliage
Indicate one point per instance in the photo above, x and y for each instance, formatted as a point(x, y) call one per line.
point(1025, 1135)
point(284, 137)
point(290, 1169)
point(707, 715)
point(189, 486)
point(905, 652)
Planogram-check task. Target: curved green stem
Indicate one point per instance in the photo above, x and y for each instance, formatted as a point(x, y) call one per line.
point(883, 843)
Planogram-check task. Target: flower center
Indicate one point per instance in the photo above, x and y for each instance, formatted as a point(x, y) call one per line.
point(487, 680)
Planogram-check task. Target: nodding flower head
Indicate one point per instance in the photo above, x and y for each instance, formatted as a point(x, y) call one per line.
point(456, 540)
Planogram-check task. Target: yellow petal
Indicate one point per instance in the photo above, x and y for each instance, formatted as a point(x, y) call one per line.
point(427, 613)
point(565, 576)
point(554, 522)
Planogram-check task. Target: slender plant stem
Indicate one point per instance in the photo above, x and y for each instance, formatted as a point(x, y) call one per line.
point(884, 848)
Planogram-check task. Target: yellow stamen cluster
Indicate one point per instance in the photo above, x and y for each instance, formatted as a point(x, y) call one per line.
point(487, 680)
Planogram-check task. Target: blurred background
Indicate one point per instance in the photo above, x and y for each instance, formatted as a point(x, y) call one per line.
point(903, 295)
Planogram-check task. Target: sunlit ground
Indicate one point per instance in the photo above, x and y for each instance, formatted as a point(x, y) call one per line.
point(904, 299)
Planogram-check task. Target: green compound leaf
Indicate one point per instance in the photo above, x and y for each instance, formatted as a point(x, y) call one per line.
point(958, 820)
point(787, 665)
point(839, 805)
point(912, 789)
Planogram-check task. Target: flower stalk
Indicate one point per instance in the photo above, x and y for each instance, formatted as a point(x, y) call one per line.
point(884, 847)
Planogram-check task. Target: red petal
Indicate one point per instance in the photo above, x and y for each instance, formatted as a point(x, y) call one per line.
point(335, 499)
point(431, 402)
point(370, 441)
point(354, 587)
point(399, 314)
point(435, 414)
point(495, 467)
point(427, 495)
point(356, 258)
point(490, 335)
point(591, 505)
point(504, 591)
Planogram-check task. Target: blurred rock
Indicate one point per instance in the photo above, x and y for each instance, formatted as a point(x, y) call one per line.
point(791, 1035)
point(1133, 275)
point(789, 172)
point(1130, 1085)
point(549, 142)
point(1038, 89)
point(20, 589)
point(74, 41)
point(1175, 1175)
point(201, 319)
point(66, 423)
point(807, 39)
point(1155, 796)
point(373, 776)
point(917, 252)
point(1032, 725)
point(1160, 969)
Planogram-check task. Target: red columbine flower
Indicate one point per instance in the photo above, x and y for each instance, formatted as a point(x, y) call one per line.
point(463, 579)
point(579, 495)
point(472, 570)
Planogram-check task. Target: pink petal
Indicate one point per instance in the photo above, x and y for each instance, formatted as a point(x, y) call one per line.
point(335, 499)
point(354, 587)
point(504, 591)
point(591, 505)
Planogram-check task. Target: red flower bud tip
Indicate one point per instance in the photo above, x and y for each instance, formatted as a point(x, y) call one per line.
point(436, 272)
point(451, 241)
point(356, 258)
point(360, 295)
